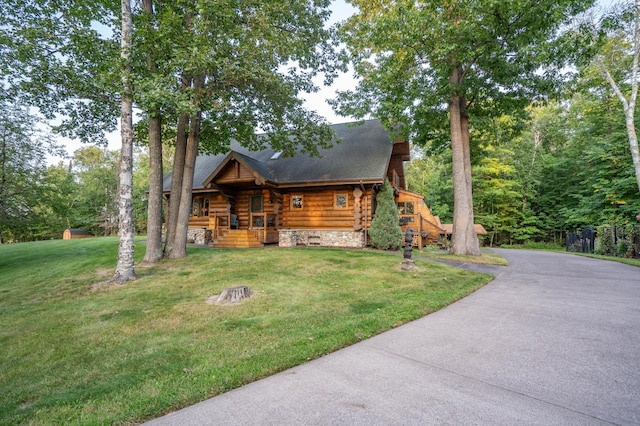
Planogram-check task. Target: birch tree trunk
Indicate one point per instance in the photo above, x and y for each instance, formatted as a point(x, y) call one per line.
point(125, 267)
point(629, 105)
point(633, 144)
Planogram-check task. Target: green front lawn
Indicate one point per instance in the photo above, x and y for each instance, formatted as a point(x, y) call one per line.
point(71, 355)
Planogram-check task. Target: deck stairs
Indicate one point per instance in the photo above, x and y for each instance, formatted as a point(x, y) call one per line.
point(428, 240)
point(237, 238)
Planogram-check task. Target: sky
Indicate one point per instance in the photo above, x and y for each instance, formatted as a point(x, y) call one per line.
point(318, 101)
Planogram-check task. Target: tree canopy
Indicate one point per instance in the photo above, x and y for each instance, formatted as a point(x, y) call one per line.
point(256, 59)
point(23, 148)
point(565, 168)
point(462, 78)
point(617, 61)
point(227, 69)
point(62, 57)
point(418, 61)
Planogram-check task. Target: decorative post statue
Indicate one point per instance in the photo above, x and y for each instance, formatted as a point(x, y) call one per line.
point(408, 239)
point(407, 262)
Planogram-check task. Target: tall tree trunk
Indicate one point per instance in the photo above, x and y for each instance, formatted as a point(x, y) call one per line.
point(178, 165)
point(473, 245)
point(629, 105)
point(176, 183)
point(3, 173)
point(153, 253)
point(633, 144)
point(124, 269)
point(464, 240)
point(182, 225)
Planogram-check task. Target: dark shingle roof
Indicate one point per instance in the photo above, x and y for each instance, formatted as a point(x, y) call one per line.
point(362, 154)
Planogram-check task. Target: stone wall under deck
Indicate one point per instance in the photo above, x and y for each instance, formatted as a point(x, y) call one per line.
point(321, 238)
point(199, 236)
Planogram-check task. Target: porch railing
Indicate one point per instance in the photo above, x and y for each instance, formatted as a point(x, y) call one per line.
point(261, 224)
point(421, 228)
point(219, 222)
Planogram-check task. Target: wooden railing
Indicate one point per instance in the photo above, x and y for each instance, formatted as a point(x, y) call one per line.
point(412, 221)
point(261, 224)
point(420, 227)
point(219, 222)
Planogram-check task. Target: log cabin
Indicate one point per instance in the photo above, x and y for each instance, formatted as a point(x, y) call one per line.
point(251, 198)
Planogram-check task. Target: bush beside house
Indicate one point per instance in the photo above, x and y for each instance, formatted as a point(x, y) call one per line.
point(385, 232)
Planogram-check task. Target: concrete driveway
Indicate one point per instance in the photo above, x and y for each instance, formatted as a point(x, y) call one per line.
point(553, 340)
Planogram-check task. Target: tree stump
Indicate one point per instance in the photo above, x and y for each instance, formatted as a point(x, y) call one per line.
point(234, 294)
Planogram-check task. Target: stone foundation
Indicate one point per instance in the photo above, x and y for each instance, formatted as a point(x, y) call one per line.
point(321, 238)
point(199, 236)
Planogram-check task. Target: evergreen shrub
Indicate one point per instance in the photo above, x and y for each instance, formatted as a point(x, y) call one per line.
point(385, 232)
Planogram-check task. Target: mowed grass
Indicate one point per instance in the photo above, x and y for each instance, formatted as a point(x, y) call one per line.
point(486, 257)
point(625, 260)
point(125, 354)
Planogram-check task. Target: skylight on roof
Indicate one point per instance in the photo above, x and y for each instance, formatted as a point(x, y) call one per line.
point(276, 155)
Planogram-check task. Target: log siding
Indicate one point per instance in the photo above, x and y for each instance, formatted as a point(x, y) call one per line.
point(319, 210)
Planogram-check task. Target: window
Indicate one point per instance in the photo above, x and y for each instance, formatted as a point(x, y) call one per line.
point(405, 207)
point(340, 200)
point(196, 207)
point(200, 206)
point(296, 201)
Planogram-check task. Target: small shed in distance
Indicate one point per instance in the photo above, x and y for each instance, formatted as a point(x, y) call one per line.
point(75, 233)
point(448, 228)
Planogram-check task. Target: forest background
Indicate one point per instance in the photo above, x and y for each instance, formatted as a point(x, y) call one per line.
point(559, 165)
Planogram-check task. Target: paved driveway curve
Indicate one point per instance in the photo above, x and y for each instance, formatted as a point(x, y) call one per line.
point(554, 339)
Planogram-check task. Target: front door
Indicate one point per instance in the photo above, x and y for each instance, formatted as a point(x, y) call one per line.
point(255, 204)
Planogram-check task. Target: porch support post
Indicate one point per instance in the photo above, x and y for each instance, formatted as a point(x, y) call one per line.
point(357, 209)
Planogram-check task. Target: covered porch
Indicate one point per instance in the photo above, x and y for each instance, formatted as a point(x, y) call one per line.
point(226, 229)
